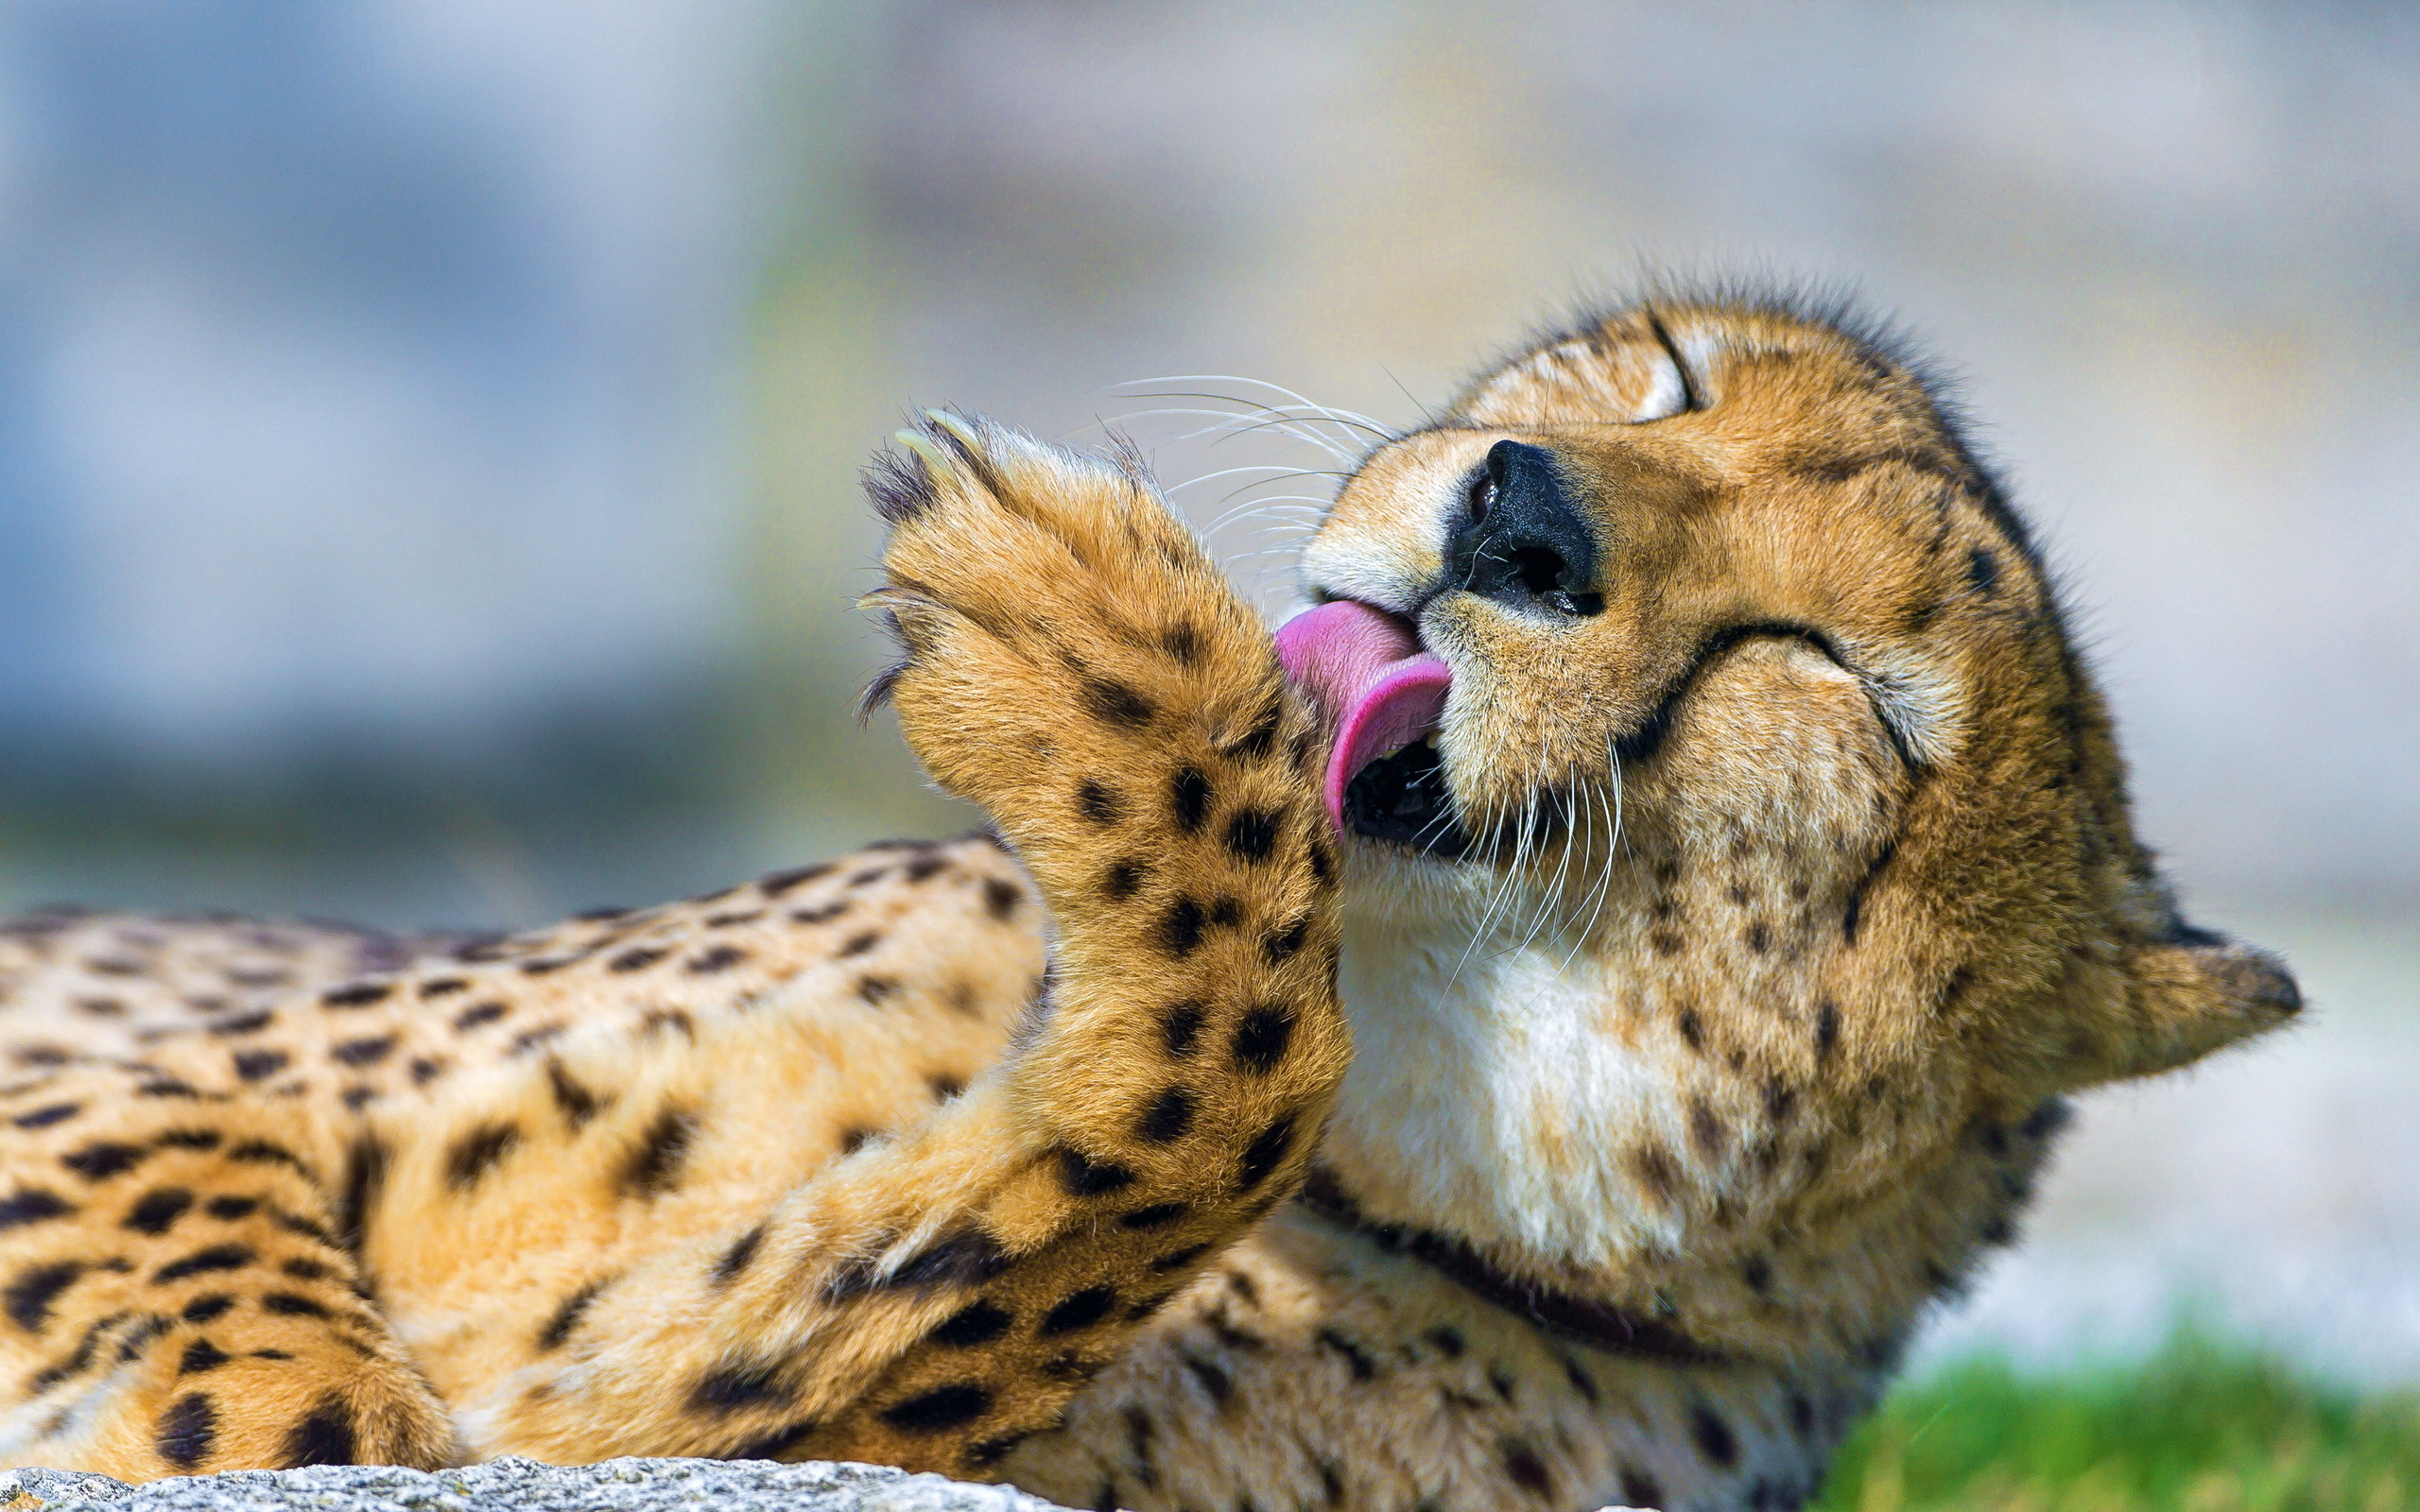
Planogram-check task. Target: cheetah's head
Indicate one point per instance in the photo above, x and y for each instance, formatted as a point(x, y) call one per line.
point(1732, 829)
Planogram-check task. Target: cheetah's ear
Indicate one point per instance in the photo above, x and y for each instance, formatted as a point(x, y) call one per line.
point(2185, 996)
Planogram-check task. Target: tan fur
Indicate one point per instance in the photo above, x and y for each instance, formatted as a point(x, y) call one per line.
point(1800, 887)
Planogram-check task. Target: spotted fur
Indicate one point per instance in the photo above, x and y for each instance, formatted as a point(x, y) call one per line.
point(1791, 890)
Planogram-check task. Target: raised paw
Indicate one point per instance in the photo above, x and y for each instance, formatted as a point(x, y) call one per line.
point(1063, 631)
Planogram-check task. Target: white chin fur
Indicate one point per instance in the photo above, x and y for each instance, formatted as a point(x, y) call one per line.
point(1488, 1096)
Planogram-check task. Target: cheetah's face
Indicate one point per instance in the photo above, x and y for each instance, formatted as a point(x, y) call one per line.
point(1695, 648)
point(1582, 547)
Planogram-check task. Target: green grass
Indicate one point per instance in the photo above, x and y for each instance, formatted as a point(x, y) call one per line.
point(2201, 1426)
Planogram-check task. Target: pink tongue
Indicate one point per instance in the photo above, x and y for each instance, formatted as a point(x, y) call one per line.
point(1367, 670)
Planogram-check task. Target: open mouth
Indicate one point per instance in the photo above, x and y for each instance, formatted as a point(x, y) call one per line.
point(1386, 695)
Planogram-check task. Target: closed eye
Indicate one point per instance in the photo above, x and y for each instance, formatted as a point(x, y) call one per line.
point(1689, 397)
point(1647, 737)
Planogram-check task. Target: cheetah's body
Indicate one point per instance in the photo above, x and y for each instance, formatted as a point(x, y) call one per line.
point(1635, 1201)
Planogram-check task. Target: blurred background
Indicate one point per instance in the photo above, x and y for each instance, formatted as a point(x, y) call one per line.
point(428, 433)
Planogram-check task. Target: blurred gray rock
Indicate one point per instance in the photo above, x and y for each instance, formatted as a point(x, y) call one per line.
point(615, 1485)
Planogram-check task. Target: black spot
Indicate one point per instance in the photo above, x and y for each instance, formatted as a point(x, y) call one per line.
point(426, 1071)
point(1282, 944)
point(365, 1052)
point(365, 1178)
point(938, 1410)
point(1214, 1380)
point(1581, 1381)
point(579, 1104)
point(654, 1164)
point(203, 1261)
point(304, 1269)
point(638, 958)
point(1116, 704)
point(1123, 880)
point(102, 1160)
point(189, 1139)
point(566, 1317)
point(243, 1023)
point(1181, 642)
point(1640, 1490)
point(1081, 1310)
point(28, 1296)
point(259, 1065)
point(1181, 929)
point(475, 1153)
point(1097, 802)
point(1180, 1026)
point(1356, 1358)
point(1252, 835)
point(1261, 738)
point(1000, 898)
point(202, 1309)
point(875, 988)
point(966, 1257)
point(322, 1437)
point(977, 1323)
point(359, 995)
point(737, 1384)
point(1158, 1215)
point(1801, 1414)
point(289, 1305)
point(154, 1213)
point(1827, 1028)
point(1261, 1037)
point(187, 1432)
point(853, 1139)
point(735, 1259)
point(33, 1205)
point(44, 1117)
point(1167, 1118)
point(1084, 1178)
point(1179, 1259)
point(479, 1013)
point(1713, 1437)
point(1757, 1271)
point(201, 1355)
point(1448, 1341)
point(859, 944)
point(1262, 1155)
point(721, 958)
point(440, 986)
point(945, 1086)
point(1521, 1462)
point(782, 882)
point(1692, 1029)
point(1982, 570)
point(1190, 798)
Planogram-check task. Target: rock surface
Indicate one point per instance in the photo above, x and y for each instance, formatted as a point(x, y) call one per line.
point(524, 1486)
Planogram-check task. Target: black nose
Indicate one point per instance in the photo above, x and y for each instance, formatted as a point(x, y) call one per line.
point(1523, 541)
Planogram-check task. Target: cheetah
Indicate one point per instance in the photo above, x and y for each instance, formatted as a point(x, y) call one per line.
point(1540, 1029)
